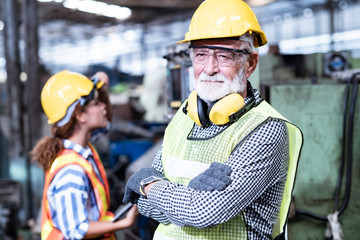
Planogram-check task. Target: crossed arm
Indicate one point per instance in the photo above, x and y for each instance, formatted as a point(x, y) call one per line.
point(256, 165)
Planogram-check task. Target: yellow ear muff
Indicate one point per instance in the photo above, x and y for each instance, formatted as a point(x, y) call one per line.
point(192, 109)
point(219, 113)
point(225, 107)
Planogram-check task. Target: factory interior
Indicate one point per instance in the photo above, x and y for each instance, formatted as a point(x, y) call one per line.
point(309, 71)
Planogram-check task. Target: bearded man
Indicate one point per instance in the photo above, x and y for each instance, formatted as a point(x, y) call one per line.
point(228, 161)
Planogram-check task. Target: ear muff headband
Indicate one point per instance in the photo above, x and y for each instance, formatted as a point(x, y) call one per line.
point(203, 112)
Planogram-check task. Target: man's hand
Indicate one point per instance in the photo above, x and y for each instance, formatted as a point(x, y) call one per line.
point(216, 177)
point(132, 189)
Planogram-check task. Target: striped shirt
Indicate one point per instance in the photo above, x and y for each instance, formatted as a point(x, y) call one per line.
point(71, 196)
point(259, 173)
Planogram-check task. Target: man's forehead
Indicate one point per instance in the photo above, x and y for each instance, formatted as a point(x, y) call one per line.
point(218, 42)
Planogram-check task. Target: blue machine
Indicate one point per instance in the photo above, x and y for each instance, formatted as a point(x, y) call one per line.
point(130, 148)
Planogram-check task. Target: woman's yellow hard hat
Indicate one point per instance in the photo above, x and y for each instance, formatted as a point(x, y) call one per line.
point(62, 90)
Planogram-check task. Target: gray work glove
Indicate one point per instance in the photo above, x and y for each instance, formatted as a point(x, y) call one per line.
point(216, 177)
point(132, 188)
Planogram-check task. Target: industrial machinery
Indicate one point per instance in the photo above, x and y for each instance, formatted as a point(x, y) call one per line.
point(179, 81)
point(9, 205)
point(323, 102)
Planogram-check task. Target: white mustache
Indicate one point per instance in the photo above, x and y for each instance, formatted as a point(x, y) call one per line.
point(219, 77)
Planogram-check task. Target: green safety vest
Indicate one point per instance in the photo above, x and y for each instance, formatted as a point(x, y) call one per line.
point(184, 158)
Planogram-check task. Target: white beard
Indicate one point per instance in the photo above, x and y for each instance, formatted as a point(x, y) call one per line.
point(212, 88)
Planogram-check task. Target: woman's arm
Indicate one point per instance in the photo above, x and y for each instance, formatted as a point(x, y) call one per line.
point(97, 228)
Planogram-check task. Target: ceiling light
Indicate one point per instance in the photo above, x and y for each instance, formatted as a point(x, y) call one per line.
point(343, 5)
point(256, 3)
point(277, 19)
point(23, 76)
point(288, 16)
point(72, 4)
point(308, 13)
point(118, 12)
point(49, 0)
point(3, 76)
point(99, 8)
point(92, 6)
point(2, 62)
point(315, 43)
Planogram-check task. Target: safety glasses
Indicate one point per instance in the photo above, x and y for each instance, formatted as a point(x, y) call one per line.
point(225, 57)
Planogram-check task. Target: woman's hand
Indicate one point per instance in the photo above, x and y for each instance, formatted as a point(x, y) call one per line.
point(130, 217)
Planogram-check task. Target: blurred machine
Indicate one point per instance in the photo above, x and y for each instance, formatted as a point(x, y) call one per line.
point(9, 205)
point(318, 93)
point(180, 74)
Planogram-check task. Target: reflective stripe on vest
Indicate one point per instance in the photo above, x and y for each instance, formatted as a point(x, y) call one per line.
point(183, 159)
point(102, 195)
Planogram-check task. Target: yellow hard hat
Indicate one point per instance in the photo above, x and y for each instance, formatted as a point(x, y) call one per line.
point(224, 19)
point(62, 90)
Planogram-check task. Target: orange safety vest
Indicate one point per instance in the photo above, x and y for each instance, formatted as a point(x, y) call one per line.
point(67, 157)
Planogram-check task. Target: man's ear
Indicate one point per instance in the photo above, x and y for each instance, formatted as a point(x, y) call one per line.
point(251, 63)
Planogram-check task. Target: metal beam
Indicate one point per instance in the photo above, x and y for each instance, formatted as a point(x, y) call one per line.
point(11, 39)
point(156, 3)
point(32, 91)
point(31, 64)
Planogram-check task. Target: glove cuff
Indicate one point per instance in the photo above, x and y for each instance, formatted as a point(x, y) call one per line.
point(147, 181)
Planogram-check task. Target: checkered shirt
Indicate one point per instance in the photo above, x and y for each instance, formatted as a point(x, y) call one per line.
point(259, 173)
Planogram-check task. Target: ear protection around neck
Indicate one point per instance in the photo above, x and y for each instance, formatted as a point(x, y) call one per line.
point(227, 109)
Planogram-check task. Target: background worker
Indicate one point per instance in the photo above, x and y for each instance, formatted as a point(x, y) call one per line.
point(236, 134)
point(76, 192)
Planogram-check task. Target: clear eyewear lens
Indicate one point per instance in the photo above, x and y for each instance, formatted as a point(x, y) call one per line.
point(224, 58)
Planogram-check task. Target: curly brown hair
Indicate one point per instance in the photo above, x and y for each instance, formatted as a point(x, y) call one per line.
point(48, 148)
